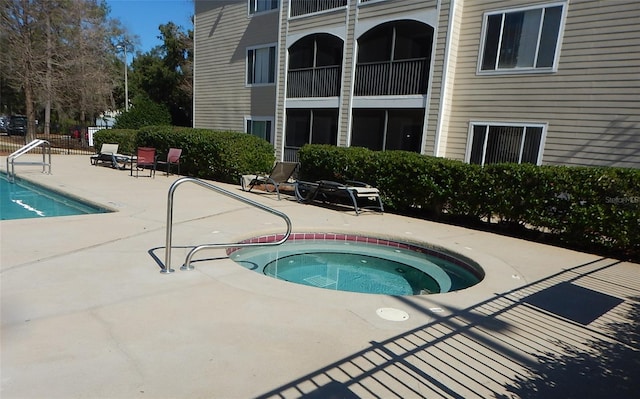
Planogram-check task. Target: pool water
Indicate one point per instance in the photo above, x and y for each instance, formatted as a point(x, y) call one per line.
point(349, 265)
point(24, 200)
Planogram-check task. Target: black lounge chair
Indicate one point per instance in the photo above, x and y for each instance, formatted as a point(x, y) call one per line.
point(351, 192)
point(109, 154)
point(281, 173)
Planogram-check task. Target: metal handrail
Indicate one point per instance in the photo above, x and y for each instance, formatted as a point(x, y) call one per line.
point(187, 264)
point(11, 159)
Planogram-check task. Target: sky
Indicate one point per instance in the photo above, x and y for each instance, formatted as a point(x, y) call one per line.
point(142, 18)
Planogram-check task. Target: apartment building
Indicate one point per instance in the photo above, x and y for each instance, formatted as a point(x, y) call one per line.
point(484, 81)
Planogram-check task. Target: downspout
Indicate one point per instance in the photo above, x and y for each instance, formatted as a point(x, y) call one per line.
point(445, 76)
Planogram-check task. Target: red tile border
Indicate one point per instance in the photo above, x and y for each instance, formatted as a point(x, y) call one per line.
point(355, 238)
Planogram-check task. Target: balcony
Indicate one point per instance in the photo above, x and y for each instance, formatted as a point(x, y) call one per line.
point(403, 77)
point(303, 7)
point(314, 82)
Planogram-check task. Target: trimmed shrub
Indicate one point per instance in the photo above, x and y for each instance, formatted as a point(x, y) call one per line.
point(144, 112)
point(589, 208)
point(207, 154)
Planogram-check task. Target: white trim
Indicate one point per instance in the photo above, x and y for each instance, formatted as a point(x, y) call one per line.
point(414, 101)
point(338, 31)
point(428, 16)
point(313, 102)
point(351, 80)
point(279, 106)
point(445, 77)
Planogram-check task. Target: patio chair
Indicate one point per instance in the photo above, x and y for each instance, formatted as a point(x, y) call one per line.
point(351, 192)
point(281, 173)
point(109, 154)
point(173, 158)
point(145, 158)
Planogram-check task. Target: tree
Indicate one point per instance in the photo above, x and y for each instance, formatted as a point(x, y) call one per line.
point(59, 55)
point(25, 53)
point(165, 73)
point(144, 112)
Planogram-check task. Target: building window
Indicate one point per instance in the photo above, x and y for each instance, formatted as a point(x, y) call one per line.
point(260, 127)
point(261, 65)
point(522, 40)
point(489, 143)
point(311, 126)
point(256, 6)
point(390, 129)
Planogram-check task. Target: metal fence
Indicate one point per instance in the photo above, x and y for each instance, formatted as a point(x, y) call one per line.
point(69, 144)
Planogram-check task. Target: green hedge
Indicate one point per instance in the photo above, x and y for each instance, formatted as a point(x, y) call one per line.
point(208, 154)
point(585, 207)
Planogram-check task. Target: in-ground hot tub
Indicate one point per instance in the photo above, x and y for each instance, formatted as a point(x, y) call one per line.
point(358, 263)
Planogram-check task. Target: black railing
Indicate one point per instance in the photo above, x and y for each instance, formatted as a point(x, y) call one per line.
point(314, 82)
point(302, 7)
point(291, 154)
point(60, 144)
point(392, 78)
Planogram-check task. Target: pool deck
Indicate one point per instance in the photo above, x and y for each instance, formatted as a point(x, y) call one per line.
point(87, 314)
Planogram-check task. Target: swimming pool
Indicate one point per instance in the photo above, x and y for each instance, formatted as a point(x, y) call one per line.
point(25, 200)
point(359, 264)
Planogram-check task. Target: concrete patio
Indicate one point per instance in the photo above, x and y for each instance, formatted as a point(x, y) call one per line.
point(87, 314)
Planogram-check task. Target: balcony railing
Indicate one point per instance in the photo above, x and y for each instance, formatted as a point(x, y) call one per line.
point(392, 78)
point(302, 7)
point(291, 154)
point(314, 82)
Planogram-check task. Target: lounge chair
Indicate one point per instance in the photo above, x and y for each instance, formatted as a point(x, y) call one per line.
point(145, 158)
point(352, 192)
point(173, 158)
point(109, 154)
point(281, 173)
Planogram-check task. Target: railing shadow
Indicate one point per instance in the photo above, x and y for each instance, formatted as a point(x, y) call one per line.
point(507, 345)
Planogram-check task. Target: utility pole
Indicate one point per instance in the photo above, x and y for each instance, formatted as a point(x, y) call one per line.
point(123, 46)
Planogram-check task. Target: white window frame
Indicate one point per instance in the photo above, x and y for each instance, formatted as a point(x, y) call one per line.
point(488, 124)
point(251, 119)
point(250, 52)
point(252, 7)
point(521, 70)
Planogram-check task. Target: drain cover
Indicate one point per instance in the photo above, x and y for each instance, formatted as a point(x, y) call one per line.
point(392, 314)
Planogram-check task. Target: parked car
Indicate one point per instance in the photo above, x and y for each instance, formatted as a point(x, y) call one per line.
point(4, 122)
point(17, 125)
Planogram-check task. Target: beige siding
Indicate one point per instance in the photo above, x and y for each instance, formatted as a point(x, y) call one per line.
point(592, 102)
point(224, 31)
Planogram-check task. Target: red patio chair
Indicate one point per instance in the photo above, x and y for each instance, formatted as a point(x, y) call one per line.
point(173, 158)
point(145, 158)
